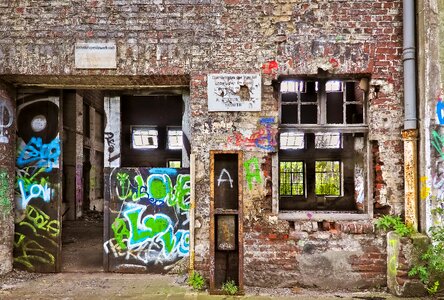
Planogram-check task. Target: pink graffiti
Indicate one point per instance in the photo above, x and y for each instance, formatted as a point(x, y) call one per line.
point(334, 62)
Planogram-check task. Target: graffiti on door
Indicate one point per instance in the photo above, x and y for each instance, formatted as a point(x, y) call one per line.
point(37, 223)
point(151, 225)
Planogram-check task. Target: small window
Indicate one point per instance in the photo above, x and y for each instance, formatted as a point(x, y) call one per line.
point(292, 140)
point(328, 178)
point(144, 138)
point(175, 140)
point(175, 164)
point(328, 140)
point(291, 178)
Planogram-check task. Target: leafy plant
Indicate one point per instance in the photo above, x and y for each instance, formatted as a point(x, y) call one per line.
point(389, 222)
point(431, 266)
point(230, 287)
point(196, 281)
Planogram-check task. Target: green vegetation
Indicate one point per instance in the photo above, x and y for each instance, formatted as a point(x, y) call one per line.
point(230, 287)
point(196, 281)
point(394, 223)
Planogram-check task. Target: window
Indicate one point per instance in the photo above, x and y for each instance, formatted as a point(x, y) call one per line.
point(321, 144)
point(144, 137)
point(175, 141)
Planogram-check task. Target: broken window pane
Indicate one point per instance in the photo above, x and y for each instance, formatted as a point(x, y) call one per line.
point(144, 138)
point(328, 140)
point(292, 86)
point(310, 94)
point(175, 139)
point(335, 108)
point(328, 178)
point(289, 114)
point(354, 114)
point(291, 178)
point(292, 140)
point(354, 92)
point(309, 114)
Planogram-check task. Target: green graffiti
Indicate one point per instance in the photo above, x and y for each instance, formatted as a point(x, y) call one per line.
point(141, 189)
point(181, 192)
point(5, 203)
point(125, 186)
point(252, 174)
point(39, 220)
point(157, 189)
point(30, 251)
point(120, 232)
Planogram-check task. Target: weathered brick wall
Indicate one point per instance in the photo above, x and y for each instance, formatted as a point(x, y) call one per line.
point(193, 38)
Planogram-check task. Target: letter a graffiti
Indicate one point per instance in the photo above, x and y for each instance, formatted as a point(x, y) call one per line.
point(222, 179)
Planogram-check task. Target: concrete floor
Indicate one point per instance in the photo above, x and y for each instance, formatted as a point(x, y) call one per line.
point(82, 245)
point(140, 286)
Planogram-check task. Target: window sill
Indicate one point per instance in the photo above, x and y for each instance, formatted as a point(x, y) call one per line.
point(322, 216)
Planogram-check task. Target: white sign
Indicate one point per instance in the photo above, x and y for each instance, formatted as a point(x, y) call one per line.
point(234, 92)
point(95, 56)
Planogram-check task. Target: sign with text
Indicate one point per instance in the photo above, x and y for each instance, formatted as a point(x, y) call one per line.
point(234, 92)
point(95, 56)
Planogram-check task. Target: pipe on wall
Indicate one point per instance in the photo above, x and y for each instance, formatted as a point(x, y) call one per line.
point(410, 132)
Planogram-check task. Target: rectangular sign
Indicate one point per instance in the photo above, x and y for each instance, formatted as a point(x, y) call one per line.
point(234, 92)
point(95, 56)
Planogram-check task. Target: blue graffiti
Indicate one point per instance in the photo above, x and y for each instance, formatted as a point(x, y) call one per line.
point(168, 171)
point(32, 191)
point(439, 112)
point(40, 155)
point(266, 139)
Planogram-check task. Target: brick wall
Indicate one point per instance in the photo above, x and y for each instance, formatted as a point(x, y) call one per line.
point(189, 39)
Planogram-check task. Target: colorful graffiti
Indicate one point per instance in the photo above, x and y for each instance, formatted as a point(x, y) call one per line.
point(252, 172)
point(263, 138)
point(37, 224)
point(151, 227)
point(438, 142)
point(5, 202)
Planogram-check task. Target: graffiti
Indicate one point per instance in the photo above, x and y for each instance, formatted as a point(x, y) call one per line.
point(109, 138)
point(5, 121)
point(31, 251)
point(425, 190)
point(439, 112)
point(252, 174)
point(5, 203)
point(393, 256)
point(40, 227)
point(157, 188)
point(151, 226)
point(222, 179)
point(268, 67)
point(438, 142)
point(263, 138)
point(34, 190)
point(39, 154)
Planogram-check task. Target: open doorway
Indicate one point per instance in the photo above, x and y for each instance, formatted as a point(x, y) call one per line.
point(83, 191)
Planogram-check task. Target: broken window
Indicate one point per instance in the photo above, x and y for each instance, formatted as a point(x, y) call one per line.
point(321, 144)
point(144, 138)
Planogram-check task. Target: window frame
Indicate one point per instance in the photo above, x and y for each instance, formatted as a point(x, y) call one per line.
point(323, 127)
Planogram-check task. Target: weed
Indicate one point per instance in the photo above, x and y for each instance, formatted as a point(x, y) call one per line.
point(196, 281)
point(394, 223)
point(230, 287)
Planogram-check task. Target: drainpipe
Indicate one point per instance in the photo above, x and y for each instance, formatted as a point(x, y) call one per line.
point(410, 132)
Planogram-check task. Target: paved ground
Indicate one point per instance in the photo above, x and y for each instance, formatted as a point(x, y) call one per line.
point(22, 285)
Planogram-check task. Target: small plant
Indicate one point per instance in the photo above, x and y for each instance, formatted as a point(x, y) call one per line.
point(230, 287)
point(395, 223)
point(196, 281)
point(431, 266)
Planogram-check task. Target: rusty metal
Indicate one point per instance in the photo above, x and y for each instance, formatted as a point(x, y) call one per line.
point(227, 212)
point(411, 177)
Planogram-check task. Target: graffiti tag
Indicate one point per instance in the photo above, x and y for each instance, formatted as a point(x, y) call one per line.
point(40, 155)
point(252, 172)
